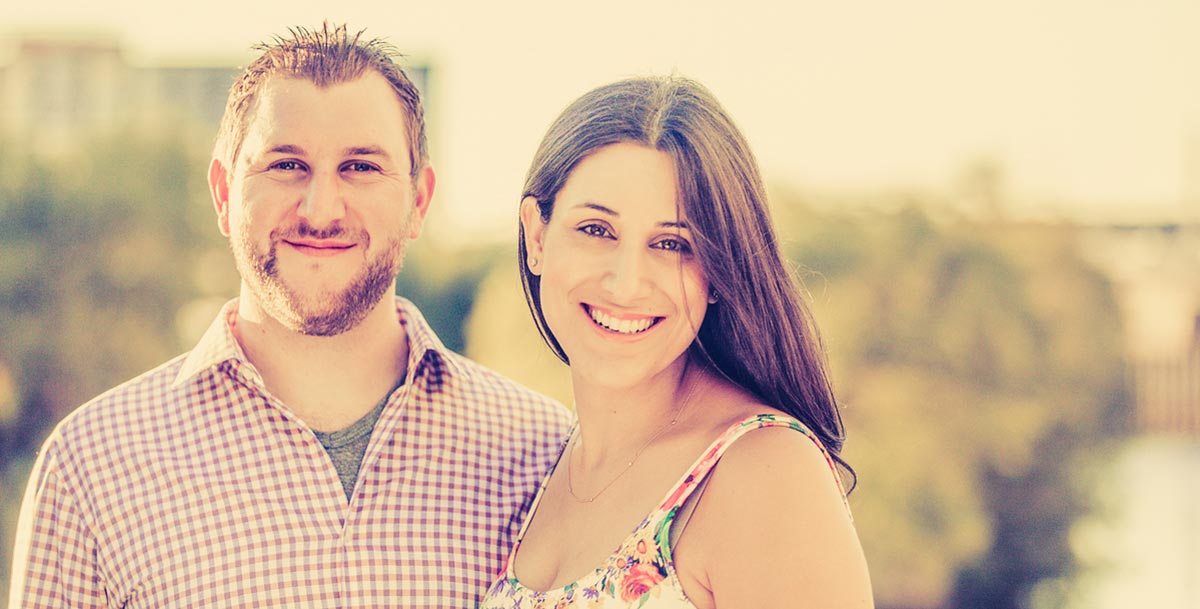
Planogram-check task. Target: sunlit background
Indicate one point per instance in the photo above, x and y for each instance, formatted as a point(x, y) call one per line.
point(995, 208)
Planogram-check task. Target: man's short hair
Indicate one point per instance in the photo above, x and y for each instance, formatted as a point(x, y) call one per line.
point(325, 57)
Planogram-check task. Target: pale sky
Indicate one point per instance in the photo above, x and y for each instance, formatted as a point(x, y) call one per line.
point(1092, 108)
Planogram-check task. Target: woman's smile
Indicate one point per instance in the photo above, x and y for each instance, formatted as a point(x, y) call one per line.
point(619, 323)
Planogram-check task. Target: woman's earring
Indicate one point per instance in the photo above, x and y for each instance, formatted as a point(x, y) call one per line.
point(712, 296)
point(533, 262)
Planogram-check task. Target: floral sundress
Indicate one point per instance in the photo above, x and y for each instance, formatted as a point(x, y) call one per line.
point(641, 573)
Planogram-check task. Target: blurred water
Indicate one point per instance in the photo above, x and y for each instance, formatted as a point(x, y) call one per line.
point(1144, 546)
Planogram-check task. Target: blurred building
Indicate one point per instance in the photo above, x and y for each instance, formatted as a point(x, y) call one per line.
point(1156, 271)
point(58, 90)
point(1148, 539)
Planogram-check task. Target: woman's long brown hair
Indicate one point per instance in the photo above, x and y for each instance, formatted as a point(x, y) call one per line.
point(759, 334)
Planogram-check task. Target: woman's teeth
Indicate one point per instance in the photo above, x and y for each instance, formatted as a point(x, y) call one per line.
point(622, 326)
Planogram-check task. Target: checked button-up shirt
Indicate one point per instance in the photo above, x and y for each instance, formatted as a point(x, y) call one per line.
point(191, 486)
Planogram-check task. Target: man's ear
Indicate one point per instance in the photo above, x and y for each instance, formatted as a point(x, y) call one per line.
point(535, 232)
point(426, 180)
point(218, 185)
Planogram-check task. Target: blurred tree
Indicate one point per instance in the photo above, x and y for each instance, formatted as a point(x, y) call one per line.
point(111, 263)
point(444, 285)
point(979, 363)
point(980, 370)
point(501, 334)
point(92, 245)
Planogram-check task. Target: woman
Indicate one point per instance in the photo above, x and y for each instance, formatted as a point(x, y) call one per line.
point(650, 265)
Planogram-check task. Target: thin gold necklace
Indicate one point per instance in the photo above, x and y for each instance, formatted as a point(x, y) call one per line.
point(571, 457)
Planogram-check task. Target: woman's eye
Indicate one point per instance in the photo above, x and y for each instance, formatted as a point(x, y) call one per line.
point(675, 245)
point(594, 230)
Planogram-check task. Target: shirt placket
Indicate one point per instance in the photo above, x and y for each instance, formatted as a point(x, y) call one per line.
point(314, 487)
point(360, 512)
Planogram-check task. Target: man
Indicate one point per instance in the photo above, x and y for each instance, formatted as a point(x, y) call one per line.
point(319, 447)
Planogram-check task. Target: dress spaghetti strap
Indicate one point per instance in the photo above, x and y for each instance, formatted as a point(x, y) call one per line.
point(641, 572)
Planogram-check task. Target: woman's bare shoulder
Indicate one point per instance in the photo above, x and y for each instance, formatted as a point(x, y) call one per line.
point(773, 524)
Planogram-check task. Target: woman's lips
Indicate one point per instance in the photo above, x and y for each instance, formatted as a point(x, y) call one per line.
point(621, 323)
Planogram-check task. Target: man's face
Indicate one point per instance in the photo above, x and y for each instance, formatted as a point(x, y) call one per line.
point(321, 202)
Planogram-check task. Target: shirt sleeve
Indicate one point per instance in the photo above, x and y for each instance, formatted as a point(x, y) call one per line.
point(54, 557)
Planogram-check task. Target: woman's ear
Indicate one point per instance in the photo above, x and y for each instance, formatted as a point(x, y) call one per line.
point(535, 231)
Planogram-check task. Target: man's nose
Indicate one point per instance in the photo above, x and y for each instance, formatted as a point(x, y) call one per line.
point(323, 203)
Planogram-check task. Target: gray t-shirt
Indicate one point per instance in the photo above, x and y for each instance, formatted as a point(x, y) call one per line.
point(346, 447)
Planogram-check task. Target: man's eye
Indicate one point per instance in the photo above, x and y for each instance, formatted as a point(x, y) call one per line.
point(360, 167)
point(287, 166)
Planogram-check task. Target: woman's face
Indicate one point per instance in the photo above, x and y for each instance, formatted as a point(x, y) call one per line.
point(620, 288)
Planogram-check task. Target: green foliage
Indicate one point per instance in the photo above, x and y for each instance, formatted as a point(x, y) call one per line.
point(95, 253)
point(443, 285)
point(501, 333)
point(978, 363)
point(980, 370)
point(979, 366)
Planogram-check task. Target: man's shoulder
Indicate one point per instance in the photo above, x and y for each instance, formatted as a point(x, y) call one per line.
point(514, 397)
point(125, 409)
point(507, 416)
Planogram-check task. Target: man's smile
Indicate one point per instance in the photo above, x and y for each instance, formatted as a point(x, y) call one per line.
point(320, 247)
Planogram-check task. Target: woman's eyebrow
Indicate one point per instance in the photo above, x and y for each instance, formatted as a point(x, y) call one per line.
point(600, 208)
point(612, 212)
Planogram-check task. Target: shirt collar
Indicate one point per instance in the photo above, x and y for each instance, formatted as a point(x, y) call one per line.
point(216, 346)
point(427, 356)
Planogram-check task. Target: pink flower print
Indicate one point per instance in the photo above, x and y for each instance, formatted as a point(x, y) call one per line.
point(673, 500)
point(641, 579)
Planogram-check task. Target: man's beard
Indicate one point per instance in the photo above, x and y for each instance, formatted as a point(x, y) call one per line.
point(328, 313)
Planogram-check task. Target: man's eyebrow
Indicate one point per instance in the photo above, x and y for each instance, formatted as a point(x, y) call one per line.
point(351, 151)
point(286, 149)
point(367, 151)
